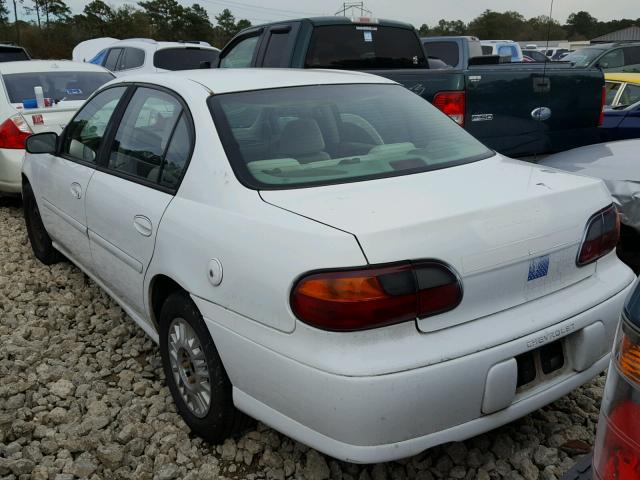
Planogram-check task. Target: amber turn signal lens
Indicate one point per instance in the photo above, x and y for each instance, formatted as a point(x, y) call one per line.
point(629, 359)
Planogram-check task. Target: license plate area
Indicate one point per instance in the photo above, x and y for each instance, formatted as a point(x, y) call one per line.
point(540, 364)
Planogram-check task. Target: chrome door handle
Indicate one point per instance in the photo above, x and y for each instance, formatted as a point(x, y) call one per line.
point(76, 190)
point(143, 225)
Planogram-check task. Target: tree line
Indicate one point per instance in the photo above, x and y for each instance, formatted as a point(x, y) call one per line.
point(514, 26)
point(48, 29)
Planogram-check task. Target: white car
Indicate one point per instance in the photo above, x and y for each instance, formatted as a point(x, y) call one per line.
point(143, 55)
point(329, 253)
point(65, 86)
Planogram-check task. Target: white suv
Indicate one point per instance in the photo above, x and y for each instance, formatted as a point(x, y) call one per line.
point(139, 55)
point(329, 253)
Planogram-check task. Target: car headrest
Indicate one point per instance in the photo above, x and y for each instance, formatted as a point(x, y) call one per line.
point(301, 137)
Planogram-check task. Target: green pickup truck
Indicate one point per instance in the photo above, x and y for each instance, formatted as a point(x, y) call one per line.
point(517, 109)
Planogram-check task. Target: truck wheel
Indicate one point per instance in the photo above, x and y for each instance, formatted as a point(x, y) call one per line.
point(194, 372)
point(38, 237)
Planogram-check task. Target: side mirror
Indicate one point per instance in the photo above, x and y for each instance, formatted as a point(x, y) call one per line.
point(46, 142)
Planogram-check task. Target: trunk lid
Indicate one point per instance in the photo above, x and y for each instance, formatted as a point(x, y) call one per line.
point(511, 230)
point(49, 119)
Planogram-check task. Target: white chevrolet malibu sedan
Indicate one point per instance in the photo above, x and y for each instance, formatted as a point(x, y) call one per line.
point(330, 254)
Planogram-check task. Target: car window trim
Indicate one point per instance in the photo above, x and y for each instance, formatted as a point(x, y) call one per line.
point(291, 29)
point(105, 148)
point(64, 133)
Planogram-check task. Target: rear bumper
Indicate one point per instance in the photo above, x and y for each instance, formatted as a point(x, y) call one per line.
point(10, 170)
point(387, 416)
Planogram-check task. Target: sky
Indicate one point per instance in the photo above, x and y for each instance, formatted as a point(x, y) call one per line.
point(416, 12)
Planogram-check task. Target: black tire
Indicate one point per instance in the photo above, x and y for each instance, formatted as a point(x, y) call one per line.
point(222, 420)
point(38, 237)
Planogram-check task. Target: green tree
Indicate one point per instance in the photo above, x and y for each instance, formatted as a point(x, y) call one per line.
point(449, 27)
point(227, 27)
point(97, 17)
point(492, 25)
point(197, 25)
point(582, 25)
point(166, 18)
point(543, 28)
point(423, 31)
point(4, 13)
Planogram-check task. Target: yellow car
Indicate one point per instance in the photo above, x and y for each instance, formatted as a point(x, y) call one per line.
point(623, 89)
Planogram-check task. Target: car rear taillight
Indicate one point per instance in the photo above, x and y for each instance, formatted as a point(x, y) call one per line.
point(617, 447)
point(451, 103)
point(358, 299)
point(601, 236)
point(14, 132)
point(603, 102)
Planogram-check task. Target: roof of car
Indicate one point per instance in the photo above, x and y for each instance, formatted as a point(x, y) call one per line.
point(160, 45)
point(227, 80)
point(336, 20)
point(623, 77)
point(26, 66)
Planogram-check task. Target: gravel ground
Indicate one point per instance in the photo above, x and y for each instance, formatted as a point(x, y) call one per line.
point(82, 395)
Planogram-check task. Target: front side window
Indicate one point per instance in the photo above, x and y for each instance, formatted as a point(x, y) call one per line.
point(187, 58)
point(59, 86)
point(612, 89)
point(144, 134)
point(319, 135)
point(84, 134)
point(241, 54)
point(364, 47)
point(613, 60)
point(131, 58)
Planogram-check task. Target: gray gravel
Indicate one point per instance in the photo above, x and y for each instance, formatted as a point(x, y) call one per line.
point(82, 395)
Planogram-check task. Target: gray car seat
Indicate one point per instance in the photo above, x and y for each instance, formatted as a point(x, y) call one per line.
point(302, 139)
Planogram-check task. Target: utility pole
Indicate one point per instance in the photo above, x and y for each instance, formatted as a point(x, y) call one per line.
point(350, 6)
point(15, 16)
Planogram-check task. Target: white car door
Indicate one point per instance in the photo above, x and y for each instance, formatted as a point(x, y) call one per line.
point(62, 180)
point(131, 190)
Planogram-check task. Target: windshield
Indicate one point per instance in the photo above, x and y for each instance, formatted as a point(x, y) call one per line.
point(364, 47)
point(583, 57)
point(189, 58)
point(327, 134)
point(58, 86)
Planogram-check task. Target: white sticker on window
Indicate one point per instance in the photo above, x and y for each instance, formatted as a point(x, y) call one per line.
point(368, 36)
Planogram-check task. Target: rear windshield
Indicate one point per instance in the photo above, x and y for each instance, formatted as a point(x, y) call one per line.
point(189, 58)
point(364, 47)
point(8, 54)
point(445, 51)
point(58, 86)
point(327, 134)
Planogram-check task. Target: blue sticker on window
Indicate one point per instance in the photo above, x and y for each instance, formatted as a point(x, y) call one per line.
point(538, 267)
point(73, 91)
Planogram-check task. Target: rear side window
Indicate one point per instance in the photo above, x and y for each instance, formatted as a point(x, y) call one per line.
point(8, 54)
point(630, 95)
point(508, 51)
point(241, 54)
point(448, 52)
point(632, 59)
point(131, 58)
point(276, 49)
point(612, 60)
point(365, 47)
point(175, 161)
point(144, 134)
point(112, 59)
point(59, 86)
point(487, 50)
point(189, 58)
point(327, 134)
